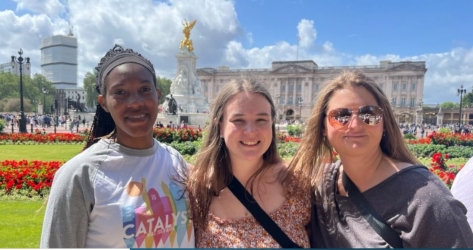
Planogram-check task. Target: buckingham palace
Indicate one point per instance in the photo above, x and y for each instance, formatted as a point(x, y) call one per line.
point(294, 85)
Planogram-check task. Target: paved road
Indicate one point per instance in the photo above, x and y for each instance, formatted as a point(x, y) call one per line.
point(65, 129)
point(59, 129)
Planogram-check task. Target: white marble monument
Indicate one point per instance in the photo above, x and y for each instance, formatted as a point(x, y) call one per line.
point(186, 89)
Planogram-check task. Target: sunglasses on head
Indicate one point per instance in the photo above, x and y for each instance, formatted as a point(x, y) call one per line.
point(370, 115)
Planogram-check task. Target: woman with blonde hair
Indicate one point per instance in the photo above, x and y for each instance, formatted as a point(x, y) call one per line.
point(237, 170)
point(377, 194)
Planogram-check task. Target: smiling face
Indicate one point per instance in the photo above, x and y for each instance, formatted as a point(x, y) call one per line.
point(356, 137)
point(132, 100)
point(246, 127)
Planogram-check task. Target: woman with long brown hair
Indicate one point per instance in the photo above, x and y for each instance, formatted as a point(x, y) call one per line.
point(239, 150)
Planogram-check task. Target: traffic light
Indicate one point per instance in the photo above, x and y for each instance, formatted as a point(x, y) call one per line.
point(55, 103)
point(52, 108)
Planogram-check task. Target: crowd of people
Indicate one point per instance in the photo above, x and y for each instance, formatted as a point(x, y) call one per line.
point(128, 190)
point(37, 121)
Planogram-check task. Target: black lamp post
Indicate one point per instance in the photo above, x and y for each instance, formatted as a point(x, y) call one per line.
point(14, 60)
point(460, 92)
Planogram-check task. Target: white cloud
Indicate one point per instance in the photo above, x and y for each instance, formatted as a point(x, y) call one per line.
point(306, 33)
point(154, 28)
point(51, 8)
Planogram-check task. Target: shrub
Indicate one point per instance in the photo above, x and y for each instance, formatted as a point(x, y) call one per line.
point(287, 150)
point(2, 125)
point(409, 136)
point(424, 150)
point(444, 130)
point(169, 135)
point(294, 130)
point(185, 148)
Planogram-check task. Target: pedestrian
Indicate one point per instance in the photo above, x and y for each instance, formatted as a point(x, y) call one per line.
point(376, 194)
point(71, 125)
point(125, 189)
point(237, 171)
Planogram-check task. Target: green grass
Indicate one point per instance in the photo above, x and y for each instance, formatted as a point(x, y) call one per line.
point(454, 161)
point(46, 152)
point(20, 223)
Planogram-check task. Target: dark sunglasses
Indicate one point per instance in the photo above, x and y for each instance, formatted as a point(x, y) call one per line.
point(370, 115)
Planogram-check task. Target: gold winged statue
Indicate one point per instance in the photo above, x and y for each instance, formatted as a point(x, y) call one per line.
point(186, 42)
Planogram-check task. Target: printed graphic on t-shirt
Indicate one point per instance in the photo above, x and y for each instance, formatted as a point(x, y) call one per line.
point(162, 221)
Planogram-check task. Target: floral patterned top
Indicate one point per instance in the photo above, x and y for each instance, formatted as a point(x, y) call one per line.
point(291, 217)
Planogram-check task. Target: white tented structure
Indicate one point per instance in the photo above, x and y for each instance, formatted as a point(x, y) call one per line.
point(59, 61)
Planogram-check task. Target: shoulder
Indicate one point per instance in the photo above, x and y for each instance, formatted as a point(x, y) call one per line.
point(420, 188)
point(170, 154)
point(87, 160)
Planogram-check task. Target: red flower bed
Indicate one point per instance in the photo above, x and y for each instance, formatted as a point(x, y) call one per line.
point(447, 173)
point(425, 140)
point(35, 177)
point(176, 134)
point(43, 138)
point(451, 139)
point(285, 137)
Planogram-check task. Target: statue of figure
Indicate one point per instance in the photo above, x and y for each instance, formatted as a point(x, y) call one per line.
point(197, 88)
point(172, 105)
point(186, 42)
point(180, 83)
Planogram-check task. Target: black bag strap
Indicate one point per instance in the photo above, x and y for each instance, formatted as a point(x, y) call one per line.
point(260, 215)
point(369, 213)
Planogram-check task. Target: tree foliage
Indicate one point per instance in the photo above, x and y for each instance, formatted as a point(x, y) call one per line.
point(89, 88)
point(467, 100)
point(165, 85)
point(32, 92)
point(448, 105)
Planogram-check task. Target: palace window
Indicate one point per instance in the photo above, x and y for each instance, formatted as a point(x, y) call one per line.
point(413, 102)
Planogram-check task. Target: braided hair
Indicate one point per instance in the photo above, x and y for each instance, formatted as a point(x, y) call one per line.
point(103, 124)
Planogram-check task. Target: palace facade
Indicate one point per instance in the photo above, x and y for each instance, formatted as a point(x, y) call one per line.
point(294, 85)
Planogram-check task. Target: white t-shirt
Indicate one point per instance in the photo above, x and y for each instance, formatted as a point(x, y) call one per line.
point(110, 196)
point(462, 189)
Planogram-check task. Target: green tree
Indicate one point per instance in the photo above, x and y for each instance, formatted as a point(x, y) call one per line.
point(39, 89)
point(32, 91)
point(13, 105)
point(9, 85)
point(467, 100)
point(89, 88)
point(449, 105)
point(165, 85)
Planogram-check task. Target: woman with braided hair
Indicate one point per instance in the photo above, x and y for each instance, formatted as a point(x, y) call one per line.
point(123, 190)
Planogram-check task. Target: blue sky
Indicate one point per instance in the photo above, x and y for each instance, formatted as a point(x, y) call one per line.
point(253, 33)
point(402, 27)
